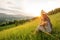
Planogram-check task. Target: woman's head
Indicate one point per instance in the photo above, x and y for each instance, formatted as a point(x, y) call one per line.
point(43, 14)
point(42, 11)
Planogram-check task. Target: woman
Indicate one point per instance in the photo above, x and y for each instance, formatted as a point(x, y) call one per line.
point(45, 24)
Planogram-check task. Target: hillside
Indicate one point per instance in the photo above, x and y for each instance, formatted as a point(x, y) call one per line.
point(25, 31)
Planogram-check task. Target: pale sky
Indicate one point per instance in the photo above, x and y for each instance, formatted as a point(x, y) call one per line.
point(28, 7)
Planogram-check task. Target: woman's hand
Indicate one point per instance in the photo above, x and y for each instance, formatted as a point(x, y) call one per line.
point(43, 23)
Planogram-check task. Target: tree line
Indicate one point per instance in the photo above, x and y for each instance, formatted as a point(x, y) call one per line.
point(16, 22)
point(57, 10)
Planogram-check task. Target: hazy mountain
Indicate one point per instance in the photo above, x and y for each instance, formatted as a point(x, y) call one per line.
point(5, 17)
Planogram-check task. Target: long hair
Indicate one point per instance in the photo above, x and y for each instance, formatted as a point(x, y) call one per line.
point(45, 17)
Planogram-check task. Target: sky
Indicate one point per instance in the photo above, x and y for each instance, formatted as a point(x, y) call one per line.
point(28, 7)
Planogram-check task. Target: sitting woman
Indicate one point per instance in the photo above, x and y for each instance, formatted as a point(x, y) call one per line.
point(45, 24)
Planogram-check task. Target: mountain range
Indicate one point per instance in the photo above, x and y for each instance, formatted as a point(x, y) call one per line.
point(5, 17)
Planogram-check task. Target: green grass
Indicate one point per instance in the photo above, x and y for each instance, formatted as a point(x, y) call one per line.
point(26, 31)
point(7, 27)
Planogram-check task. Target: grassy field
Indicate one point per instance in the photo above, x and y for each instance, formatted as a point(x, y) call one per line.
point(26, 31)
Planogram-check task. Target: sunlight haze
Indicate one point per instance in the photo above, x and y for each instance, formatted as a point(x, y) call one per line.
point(29, 7)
